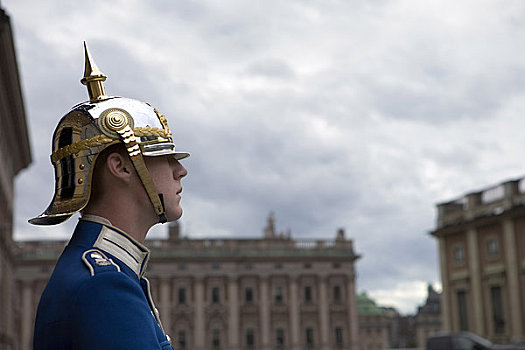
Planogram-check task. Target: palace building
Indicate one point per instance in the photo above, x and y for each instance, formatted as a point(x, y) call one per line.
point(273, 292)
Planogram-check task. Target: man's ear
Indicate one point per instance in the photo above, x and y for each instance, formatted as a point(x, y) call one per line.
point(119, 166)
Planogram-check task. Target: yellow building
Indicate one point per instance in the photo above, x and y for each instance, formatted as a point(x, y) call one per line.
point(482, 256)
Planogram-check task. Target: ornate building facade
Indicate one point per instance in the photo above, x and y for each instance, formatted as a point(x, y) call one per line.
point(428, 317)
point(15, 155)
point(482, 256)
point(269, 293)
point(373, 324)
point(383, 327)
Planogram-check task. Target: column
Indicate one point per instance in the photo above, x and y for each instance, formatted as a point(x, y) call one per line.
point(324, 314)
point(475, 283)
point(513, 286)
point(233, 313)
point(3, 288)
point(2, 285)
point(264, 313)
point(165, 304)
point(9, 326)
point(295, 322)
point(353, 320)
point(446, 321)
point(26, 333)
point(199, 336)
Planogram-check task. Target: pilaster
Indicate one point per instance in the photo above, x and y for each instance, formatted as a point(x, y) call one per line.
point(446, 324)
point(264, 313)
point(199, 327)
point(324, 316)
point(353, 321)
point(165, 304)
point(27, 316)
point(513, 289)
point(477, 315)
point(233, 313)
point(293, 301)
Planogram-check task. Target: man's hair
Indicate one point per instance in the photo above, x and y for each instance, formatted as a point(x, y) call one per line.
point(97, 187)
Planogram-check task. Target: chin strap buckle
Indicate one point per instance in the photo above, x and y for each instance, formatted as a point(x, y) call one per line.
point(133, 148)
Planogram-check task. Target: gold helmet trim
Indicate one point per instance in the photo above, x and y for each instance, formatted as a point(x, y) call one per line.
point(100, 140)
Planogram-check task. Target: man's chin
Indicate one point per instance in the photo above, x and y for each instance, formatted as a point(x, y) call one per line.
point(174, 216)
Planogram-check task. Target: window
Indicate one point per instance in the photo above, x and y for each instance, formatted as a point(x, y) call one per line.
point(459, 254)
point(308, 294)
point(182, 295)
point(337, 294)
point(248, 295)
point(182, 340)
point(215, 339)
point(462, 310)
point(338, 337)
point(492, 247)
point(498, 318)
point(309, 337)
point(279, 337)
point(250, 339)
point(278, 294)
point(215, 295)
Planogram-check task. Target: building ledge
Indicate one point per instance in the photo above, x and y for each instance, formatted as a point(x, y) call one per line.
point(493, 270)
point(459, 275)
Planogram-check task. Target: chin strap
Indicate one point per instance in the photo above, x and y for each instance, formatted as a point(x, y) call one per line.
point(128, 137)
point(162, 217)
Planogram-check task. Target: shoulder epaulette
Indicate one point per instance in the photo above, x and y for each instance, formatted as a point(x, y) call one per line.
point(96, 261)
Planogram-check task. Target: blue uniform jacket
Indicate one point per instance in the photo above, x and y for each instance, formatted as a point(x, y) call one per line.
point(97, 297)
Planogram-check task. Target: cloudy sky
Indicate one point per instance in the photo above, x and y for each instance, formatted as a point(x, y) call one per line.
point(355, 114)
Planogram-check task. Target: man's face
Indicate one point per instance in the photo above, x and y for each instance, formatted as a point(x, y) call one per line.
point(167, 173)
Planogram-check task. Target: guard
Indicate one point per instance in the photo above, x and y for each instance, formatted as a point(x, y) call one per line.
point(115, 162)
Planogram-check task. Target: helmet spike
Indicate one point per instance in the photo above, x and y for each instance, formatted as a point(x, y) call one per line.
point(93, 78)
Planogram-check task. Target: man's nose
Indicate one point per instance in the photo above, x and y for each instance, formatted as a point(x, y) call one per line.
point(180, 171)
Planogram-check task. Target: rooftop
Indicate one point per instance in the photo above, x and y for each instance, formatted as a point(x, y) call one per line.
point(272, 245)
point(491, 201)
point(251, 248)
point(368, 306)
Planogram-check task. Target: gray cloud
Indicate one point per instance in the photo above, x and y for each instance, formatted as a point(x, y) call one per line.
point(273, 68)
point(356, 114)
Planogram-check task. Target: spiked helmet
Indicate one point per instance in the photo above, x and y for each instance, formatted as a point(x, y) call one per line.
point(92, 126)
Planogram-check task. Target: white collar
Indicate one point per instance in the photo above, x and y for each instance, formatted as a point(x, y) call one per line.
point(96, 218)
point(121, 245)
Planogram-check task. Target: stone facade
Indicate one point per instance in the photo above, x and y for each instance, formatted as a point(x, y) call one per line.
point(482, 258)
point(428, 317)
point(383, 327)
point(373, 324)
point(14, 156)
point(269, 293)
